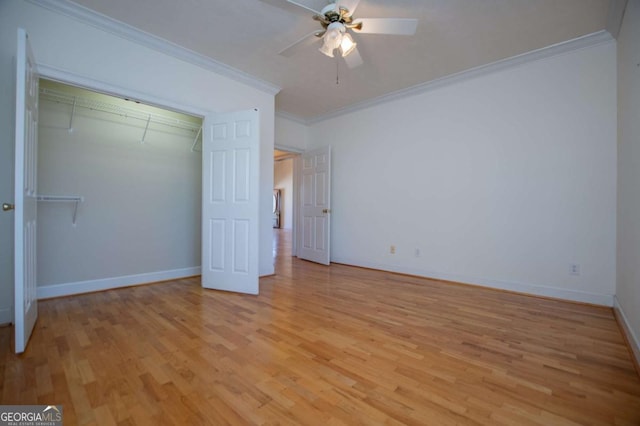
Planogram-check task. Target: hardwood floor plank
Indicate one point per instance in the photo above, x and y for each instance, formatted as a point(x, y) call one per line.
point(324, 346)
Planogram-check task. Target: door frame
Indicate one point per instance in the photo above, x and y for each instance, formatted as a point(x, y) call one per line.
point(55, 74)
point(296, 154)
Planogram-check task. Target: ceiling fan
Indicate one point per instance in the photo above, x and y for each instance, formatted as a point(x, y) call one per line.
point(336, 19)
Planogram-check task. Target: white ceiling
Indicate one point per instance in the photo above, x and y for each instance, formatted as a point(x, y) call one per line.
point(452, 36)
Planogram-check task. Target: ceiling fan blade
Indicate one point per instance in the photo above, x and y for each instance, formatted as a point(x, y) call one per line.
point(353, 59)
point(350, 5)
point(301, 44)
point(398, 26)
point(285, 5)
point(314, 6)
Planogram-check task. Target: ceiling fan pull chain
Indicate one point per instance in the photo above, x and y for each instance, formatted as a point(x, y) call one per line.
point(337, 72)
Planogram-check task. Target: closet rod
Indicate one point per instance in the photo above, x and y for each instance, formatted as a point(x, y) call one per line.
point(63, 198)
point(92, 104)
point(59, 198)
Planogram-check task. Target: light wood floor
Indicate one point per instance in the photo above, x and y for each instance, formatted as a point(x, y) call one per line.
point(324, 346)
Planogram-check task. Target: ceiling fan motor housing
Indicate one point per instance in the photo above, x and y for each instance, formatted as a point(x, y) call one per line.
point(331, 13)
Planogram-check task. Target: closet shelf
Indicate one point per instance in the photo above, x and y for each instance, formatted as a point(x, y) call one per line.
point(92, 104)
point(63, 198)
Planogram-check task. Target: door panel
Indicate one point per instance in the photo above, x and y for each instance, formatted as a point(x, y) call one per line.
point(26, 180)
point(315, 198)
point(230, 202)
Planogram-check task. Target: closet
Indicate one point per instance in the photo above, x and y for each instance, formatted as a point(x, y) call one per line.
point(119, 187)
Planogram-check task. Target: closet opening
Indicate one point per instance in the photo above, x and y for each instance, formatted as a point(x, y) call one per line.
point(119, 185)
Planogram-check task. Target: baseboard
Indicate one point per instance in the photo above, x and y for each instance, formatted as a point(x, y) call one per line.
point(5, 316)
point(68, 289)
point(535, 290)
point(632, 339)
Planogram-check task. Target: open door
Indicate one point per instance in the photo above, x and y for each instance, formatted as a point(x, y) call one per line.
point(25, 303)
point(230, 201)
point(314, 226)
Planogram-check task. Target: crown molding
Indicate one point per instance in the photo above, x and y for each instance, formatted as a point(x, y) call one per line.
point(65, 76)
point(586, 41)
point(120, 29)
point(128, 32)
point(291, 117)
point(615, 16)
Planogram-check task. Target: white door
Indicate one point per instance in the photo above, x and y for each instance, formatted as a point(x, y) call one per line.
point(25, 304)
point(230, 195)
point(315, 206)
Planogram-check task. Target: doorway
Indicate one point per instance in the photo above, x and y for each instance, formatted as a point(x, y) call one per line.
point(284, 172)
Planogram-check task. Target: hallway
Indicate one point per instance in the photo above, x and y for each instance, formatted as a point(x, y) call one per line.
point(282, 248)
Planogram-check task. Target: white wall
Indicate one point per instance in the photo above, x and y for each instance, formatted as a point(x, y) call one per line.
point(503, 180)
point(290, 135)
point(628, 286)
point(84, 50)
point(283, 180)
point(142, 201)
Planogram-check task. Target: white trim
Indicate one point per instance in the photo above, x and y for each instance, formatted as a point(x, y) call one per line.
point(68, 289)
point(615, 16)
point(133, 34)
point(53, 73)
point(291, 117)
point(128, 32)
point(586, 41)
point(633, 340)
point(295, 207)
point(531, 289)
point(6, 316)
point(291, 150)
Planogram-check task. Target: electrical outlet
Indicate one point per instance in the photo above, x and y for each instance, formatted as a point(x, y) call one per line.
point(574, 269)
point(417, 252)
point(392, 249)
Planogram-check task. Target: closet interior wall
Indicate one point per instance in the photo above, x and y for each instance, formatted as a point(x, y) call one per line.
point(134, 172)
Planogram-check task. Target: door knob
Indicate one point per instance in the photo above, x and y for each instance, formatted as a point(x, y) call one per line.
point(6, 207)
point(326, 211)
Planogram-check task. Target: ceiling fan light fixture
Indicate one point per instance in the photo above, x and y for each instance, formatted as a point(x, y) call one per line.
point(347, 45)
point(326, 49)
point(332, 38)
point(338, 24)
